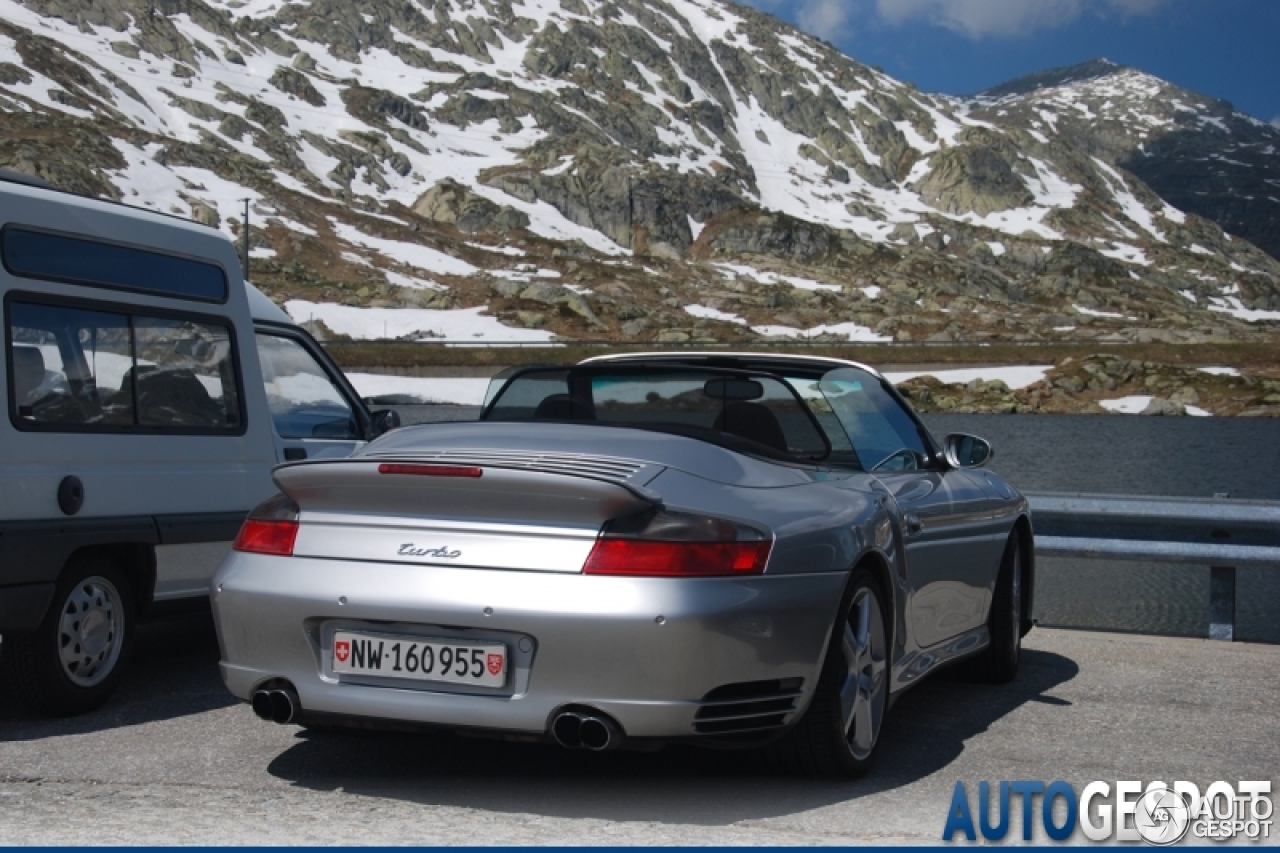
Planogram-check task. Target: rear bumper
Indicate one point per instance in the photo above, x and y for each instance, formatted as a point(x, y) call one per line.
point(644, 650)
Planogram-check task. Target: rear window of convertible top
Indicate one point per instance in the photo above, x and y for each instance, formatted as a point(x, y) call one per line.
point(747, 410)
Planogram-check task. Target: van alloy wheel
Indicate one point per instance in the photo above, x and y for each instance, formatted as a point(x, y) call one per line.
point(89, 631)
point(73, 660)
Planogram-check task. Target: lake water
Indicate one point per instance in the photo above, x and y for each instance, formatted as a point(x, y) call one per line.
point(1128, 455)
point(1135, 455)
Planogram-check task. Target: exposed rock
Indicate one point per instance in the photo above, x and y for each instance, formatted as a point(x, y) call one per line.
point(973, 178)
point(453, 203)
point(1081, 386)
point(204, 214)
point(296, 83)
point(14, 75)
point(1158, 406)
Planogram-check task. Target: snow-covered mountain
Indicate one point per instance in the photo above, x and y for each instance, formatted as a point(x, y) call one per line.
point(634, 169)
point(1199, 154)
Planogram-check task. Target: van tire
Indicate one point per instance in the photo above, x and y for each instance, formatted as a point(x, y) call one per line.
point(73, 661)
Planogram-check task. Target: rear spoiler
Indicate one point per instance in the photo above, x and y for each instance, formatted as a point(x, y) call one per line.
point(408, 487)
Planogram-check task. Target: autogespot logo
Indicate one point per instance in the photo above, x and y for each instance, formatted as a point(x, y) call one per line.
point(1126, 811)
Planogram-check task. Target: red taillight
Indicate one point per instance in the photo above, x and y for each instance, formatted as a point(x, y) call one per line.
point(429, 470)
point(676, 559)
point(267, 537)
point(271, 528)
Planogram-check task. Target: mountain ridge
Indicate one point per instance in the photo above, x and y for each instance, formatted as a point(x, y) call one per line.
point(1049, 77)
point(1197, 152)
point(641, 171)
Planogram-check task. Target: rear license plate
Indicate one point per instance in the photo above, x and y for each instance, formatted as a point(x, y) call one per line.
point(452, 661)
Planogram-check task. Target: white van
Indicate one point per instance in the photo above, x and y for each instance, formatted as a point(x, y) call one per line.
point(148, 392)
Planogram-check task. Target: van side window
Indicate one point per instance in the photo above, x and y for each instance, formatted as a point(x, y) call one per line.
point(303, 400)
point(85, 369)
point(39, 254)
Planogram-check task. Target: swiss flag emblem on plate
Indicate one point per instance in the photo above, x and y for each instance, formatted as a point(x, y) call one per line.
point(494, 662)
point(342, 649)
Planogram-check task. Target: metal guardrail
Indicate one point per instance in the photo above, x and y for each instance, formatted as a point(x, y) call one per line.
point(1220, 533)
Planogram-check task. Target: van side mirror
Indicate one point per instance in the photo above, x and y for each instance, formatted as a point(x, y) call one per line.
point(384, 421)
point(967, 451)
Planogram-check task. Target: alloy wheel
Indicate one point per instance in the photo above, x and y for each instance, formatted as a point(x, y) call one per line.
point(862, 696)
point(89, 631)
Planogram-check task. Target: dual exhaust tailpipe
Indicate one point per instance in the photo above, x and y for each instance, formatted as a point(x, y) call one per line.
point(585, 729)
point(278, 705)
point(574, 729)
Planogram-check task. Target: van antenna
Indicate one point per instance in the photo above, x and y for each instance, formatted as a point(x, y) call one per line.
point(245, 237)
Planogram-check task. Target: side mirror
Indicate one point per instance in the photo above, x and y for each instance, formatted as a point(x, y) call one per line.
point(967, 451)
point(384, 421)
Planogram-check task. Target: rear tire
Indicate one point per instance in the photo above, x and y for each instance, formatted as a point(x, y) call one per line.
point(998, 664)
point(73, 661)
point(839, 732)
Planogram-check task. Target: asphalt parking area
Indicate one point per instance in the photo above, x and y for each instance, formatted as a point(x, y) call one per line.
point(173, 759)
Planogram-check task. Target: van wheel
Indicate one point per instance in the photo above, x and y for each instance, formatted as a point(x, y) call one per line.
point(72, 662)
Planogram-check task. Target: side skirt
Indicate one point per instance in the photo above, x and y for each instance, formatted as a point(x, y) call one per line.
point(914, 666)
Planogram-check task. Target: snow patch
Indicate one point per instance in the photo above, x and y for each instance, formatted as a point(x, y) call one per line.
point(413, 254)
point(852, 331)
point(706, 313)
point(457, 391)
point(1095, 313)
point(1015, 376)
point(1233, 306)
point(1131, 405)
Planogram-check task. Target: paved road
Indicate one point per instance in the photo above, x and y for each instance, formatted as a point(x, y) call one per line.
point(172, 759)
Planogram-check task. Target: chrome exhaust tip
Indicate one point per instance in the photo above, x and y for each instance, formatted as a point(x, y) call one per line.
point(567, 730)
point(284, 706)
point(599, 733)
point(277, 705)
point(586, 728)
point(261, 704)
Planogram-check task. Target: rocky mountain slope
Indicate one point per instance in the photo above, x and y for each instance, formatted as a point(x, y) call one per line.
point(638, 170)
point(1197, 153)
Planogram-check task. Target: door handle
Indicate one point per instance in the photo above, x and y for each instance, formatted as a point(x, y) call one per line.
point(912, 523)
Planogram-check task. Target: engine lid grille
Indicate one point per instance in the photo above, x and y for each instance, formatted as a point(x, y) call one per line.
point(611, 468)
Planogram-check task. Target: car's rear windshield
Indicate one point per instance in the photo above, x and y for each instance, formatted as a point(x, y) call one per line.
point(749, 411)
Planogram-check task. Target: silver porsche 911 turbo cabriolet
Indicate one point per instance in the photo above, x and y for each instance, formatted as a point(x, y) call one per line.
point(725, 549)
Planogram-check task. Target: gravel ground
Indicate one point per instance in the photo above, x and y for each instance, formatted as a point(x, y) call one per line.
point(172, 759)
